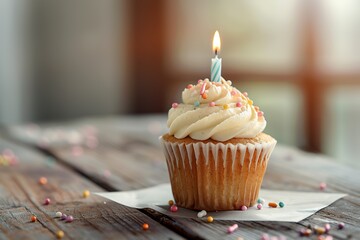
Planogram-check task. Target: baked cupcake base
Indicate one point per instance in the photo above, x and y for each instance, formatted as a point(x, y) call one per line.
point(211, 175)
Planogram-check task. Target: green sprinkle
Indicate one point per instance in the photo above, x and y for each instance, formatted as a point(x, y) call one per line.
point(281, 204)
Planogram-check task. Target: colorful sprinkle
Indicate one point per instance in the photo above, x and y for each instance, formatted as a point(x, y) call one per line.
point(212, 104)
point(327, 227)
point(319, 230)
point(245, 94)
point(341, 225)
point(201, 214)
point(259, 206)
point(33, 218)
point(265, 236)
point(226, 106)
point(43, 180)
point(238, 104)
point(200, 81)
point(322, 186)
point(210, 219)
point(203, 88)
point(250, 102)
point(243, 208)
point(204, 96)
point(232, 228)
point(60, 234)
point(260, 114)
point(229, 82)
point(272, 204)
point(171, 202)
point(86, 193)
point(233, 92)
point(281, 204)
point(196, 103)
point(58, 214)
point(305, 232)
point(47, 201)
point(145, 226)
point(260, 200)
point(189, 86)
point(174, 105)
point(174, 208)
point(69, 219)
point(63, 216)
point(257, 108)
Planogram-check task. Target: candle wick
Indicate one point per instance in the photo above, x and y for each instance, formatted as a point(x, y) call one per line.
point(216, 52)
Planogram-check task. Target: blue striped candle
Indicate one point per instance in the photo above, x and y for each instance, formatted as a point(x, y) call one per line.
point(216, 69)
point(216, 62)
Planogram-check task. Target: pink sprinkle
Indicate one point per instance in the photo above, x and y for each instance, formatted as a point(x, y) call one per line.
point(245, 94)
point(238, 104)
point(329, 237)
point(243, 208)
point(259, 206)
point(173, 208)
point(233, 92)
point(203, 87)
point(189, 86)
point(200, 81)
point(265, 236)
point(63, 216)
point(341, 225)
point(327, 227)
point(260, 114)
point(212, 104)
point(47, 201)
point(69, 219)
point(174, 105)
point(232, 228)
point(322, 186)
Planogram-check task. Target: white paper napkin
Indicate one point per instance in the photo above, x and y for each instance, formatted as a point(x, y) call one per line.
point(298, 205)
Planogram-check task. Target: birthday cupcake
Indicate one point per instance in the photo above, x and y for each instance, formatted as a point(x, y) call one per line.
point(216, 151)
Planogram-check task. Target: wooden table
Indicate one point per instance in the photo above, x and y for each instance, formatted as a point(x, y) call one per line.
point(114, 154)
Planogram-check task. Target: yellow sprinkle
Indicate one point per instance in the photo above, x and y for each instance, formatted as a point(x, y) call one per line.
point(226, 106)
point(250, 102)
point(60, 234)
point(86, 193)
point(210, 219)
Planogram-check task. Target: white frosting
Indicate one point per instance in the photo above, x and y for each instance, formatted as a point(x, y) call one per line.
point(221, 122)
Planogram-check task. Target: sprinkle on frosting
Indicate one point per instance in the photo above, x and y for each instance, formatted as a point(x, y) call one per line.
point(221, 112)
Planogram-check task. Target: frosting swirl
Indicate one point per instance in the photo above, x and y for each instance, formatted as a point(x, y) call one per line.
point(215, 110)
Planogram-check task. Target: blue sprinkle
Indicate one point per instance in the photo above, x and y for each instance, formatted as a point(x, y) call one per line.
point(281, 204)
point(196, 103)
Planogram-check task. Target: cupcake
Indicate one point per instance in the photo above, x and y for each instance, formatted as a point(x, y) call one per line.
point(216, 151)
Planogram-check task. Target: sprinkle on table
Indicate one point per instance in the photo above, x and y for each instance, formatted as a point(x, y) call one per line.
point(145, 226)
point(69, 219)
point(33, 218)
point(272, 204)
point(322, 186)
point(210, 219)
point(171, 202)
point(86, 193)
point(232, 228)
point(58, 214)
point(341, 225)
point(43, 180)
point(259, 206)
point(281, 204)
point(63, 216)
point(60, 234)
point(201, 214)
point(243, 208)
point(174, 208)
point(47, 201)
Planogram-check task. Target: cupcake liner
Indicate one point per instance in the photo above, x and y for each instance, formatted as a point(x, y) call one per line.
point(208, 176)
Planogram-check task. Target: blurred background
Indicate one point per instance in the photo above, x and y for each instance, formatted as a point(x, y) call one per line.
point(298, 59)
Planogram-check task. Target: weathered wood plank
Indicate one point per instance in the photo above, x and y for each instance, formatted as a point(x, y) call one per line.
point(21, 196)
point(130, 159)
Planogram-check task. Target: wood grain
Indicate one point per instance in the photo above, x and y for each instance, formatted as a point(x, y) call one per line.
point(21, 196)
point(135, 161)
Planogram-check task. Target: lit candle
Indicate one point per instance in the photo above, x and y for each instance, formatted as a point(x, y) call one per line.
point(216, 62)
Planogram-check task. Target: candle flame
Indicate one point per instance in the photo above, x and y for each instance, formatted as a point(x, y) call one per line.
point(216, 42)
